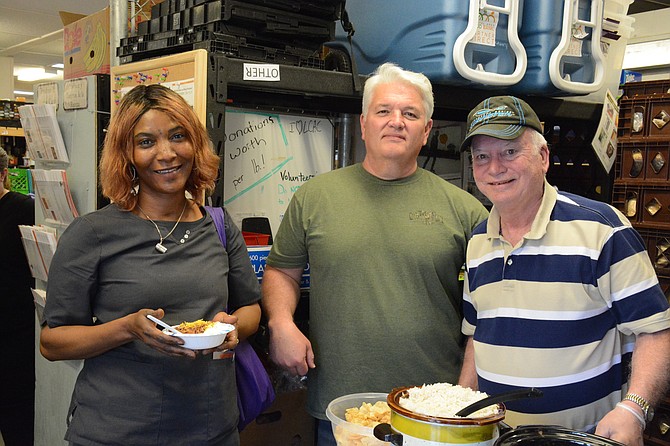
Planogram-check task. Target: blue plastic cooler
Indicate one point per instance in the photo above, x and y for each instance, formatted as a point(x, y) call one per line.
point(450, 41)
point(562, 39)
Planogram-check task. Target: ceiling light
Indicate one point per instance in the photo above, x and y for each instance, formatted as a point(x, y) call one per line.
point(647, 54)
point(58, 65)
point(23, 93)
point(33, 74)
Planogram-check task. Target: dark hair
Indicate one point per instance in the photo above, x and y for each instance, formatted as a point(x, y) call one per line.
point(116, 176)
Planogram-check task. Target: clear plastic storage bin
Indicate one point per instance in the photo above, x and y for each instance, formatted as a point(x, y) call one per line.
point(350, 434)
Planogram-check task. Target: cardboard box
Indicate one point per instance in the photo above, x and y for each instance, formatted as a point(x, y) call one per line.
point(630, 76)
point(86, 45)
point(286, 422)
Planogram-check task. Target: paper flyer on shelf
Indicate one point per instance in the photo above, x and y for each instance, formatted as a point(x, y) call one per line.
point(44, 139)
point(39, 243)
point(605, 140)
point(53, 194)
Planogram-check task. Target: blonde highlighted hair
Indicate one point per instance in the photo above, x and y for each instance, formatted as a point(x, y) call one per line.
point(116, 164)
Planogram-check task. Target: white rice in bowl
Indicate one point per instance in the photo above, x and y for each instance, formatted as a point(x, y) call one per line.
point(444, 400)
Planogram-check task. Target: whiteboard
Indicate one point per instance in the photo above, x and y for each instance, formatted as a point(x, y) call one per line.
point(267, 157)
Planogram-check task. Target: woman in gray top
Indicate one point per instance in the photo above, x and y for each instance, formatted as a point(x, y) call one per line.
point(153, 251)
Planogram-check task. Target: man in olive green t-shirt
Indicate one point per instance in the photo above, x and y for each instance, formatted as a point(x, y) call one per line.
point(385, 241)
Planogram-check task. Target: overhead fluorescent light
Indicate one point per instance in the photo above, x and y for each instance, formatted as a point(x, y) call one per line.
point(23, 93)
point(58, 65)
point(647, 54)
point(32, 74)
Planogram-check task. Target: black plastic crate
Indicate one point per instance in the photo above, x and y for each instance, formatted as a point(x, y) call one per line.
point(231, 46)
point(325, 9)
point(131, 48)
point(329, 10)
point(143, 27)
point(157, 45)
point(155, 25)
point(259, 24)
point(306, 47)
point(265, 54)
point(271, 20)
point(164, 34)
point(156, 10)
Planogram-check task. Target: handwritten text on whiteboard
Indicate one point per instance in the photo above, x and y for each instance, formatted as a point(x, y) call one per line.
point(268, 157)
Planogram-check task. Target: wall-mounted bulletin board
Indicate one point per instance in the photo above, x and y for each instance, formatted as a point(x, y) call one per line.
point(268, 156)
point(185, 73)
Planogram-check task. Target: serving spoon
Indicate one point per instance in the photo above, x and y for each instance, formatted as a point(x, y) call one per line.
point(164, 325)
point(512, 395)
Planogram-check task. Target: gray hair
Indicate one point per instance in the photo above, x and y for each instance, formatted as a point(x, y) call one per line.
point(537, 139)
point(390, 72)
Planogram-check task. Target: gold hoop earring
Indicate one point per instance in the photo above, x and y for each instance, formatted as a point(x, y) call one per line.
point(134, 180)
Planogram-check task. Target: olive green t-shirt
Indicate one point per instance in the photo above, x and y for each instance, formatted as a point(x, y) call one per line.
point(385, 296)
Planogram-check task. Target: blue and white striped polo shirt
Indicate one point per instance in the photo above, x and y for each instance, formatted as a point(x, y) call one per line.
point(560, 310)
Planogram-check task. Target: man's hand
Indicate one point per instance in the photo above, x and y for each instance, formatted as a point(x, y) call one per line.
point(290, 349)
point(622, 426)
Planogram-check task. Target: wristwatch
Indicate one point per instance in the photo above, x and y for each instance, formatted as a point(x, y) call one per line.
point(644, 405)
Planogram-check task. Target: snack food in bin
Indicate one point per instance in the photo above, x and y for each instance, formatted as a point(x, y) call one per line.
point(354, 416)
point(369, 415)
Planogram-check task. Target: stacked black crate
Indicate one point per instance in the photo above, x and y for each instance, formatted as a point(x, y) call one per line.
point(279, 31)
point(641, 184)
point(573, 165)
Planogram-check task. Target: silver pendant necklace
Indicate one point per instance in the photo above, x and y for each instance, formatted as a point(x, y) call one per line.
point(159, 246)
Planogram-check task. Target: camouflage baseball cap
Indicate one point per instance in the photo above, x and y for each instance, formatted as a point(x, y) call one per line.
point(502, 117)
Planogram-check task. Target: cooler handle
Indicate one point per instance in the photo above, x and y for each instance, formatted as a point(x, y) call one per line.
point(570, 16)
point(511, 8)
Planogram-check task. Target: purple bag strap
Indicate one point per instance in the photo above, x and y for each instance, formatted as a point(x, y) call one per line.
point(219, 221)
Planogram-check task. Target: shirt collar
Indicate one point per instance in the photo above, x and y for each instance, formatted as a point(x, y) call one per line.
point(540, 222)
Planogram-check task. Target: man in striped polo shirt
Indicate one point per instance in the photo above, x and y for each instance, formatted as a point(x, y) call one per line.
point(560, 293)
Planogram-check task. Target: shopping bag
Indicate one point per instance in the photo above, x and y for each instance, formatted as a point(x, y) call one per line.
point(255, 392)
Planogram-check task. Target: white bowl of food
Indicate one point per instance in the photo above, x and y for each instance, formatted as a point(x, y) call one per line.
point(201, 334)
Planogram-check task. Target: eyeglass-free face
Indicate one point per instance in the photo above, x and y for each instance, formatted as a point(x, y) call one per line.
point(395, 127)
point(163, 154)
point(510, 173)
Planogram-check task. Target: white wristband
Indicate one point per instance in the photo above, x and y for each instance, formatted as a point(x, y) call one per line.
point(631, 410)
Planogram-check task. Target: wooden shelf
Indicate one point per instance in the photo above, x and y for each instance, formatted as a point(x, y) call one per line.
point(12, 131)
